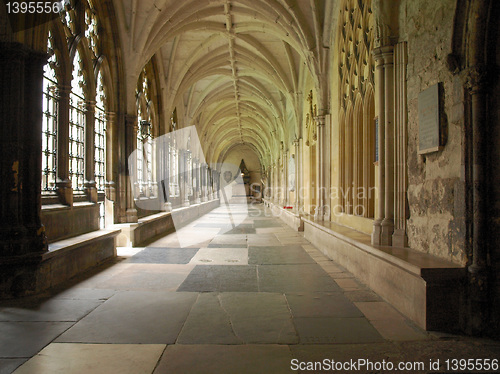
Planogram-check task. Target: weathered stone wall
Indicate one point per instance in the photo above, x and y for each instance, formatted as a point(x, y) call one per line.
point(436, 224)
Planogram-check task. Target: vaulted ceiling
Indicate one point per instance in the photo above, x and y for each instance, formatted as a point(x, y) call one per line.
point(236, 69)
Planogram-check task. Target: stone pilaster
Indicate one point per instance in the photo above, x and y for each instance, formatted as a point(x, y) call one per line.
point(63, 183)
point(296, 203)
point(131, 145)
point(320, 170)
point(90, 184)
point(21, 232)
point(383, 225)
point(388, 222)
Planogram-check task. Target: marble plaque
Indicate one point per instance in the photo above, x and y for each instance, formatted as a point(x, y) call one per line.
point(428, 120)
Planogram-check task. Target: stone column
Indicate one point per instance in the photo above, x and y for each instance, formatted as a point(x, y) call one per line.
point(204, 183)
point(388, 222)
point(476, 84)
point(63, 183)
point(379, 235)
point(285, 178)
point(111, 162)
point(198, 182)
point(131, 145)
point(400, 238)
point(320, 171)
point(21, 232)
point(185, 184)
point(90, 184)
point(296, 203)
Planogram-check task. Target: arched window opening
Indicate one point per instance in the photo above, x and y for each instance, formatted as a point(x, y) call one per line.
point(50, 119)
point(140, 153)
point(77, 125)
point(100, 124)
point(100, 135)
point(145, 151)
point(173, 160)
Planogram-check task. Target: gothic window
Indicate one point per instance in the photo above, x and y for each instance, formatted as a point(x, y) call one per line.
point(174, 160)
point(357, 122)
point(140, 153)
point(189, 173)
point(50, 116)
point(100, 135)
point(145, 150)
point(77, 119)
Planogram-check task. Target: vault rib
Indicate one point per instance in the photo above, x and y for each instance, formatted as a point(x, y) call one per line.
point(231, 37)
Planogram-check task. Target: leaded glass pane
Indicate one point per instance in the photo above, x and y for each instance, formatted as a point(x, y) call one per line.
point(77, 120)
point(49, 123)
point(100, 135)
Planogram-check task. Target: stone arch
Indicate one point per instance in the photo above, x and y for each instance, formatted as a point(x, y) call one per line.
point(355, 40)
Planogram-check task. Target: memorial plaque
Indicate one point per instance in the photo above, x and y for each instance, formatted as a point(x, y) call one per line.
point(428, 120)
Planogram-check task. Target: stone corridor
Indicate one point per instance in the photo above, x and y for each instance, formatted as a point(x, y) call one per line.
point(250, 299)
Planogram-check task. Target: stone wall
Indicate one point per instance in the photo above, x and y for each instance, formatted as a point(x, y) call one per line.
point(436, 196)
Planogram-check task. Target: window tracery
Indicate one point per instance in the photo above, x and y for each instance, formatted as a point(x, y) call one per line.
point(77, 121)
point(91, 31)
point(50, 109)
point(145, 151)
point(173, 160)
point(100, 125)
point(357, 123)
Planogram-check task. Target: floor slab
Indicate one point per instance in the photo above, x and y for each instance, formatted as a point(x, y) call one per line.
point(277, 255)
point(152, 277)
point(25, 339)
point(260, 317)
point(8, 365)
point(225, 359)
point(134, 317)
point(208, 323)
point(221, 278)
point(158, 255)
point(70, 358)
point(295, 278)
point(336, 330)
point(322, 304)
point(220, 256)
point(56, 310)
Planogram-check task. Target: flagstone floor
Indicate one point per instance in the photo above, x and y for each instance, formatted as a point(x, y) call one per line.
point(255, 297)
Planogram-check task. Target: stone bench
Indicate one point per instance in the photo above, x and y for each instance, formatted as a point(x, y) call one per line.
point(69, 257)
point(424, 288)
point(156, 225)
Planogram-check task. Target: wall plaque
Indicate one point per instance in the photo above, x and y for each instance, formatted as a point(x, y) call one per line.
point(429, 120)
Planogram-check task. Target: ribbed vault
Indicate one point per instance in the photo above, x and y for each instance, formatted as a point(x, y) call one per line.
point(233, 68)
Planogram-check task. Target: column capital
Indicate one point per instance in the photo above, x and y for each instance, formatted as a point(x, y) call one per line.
point(63, 89)
point(320, 120)
point(384, 54)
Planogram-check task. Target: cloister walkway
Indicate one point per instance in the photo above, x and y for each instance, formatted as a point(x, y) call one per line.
point(251, 298)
